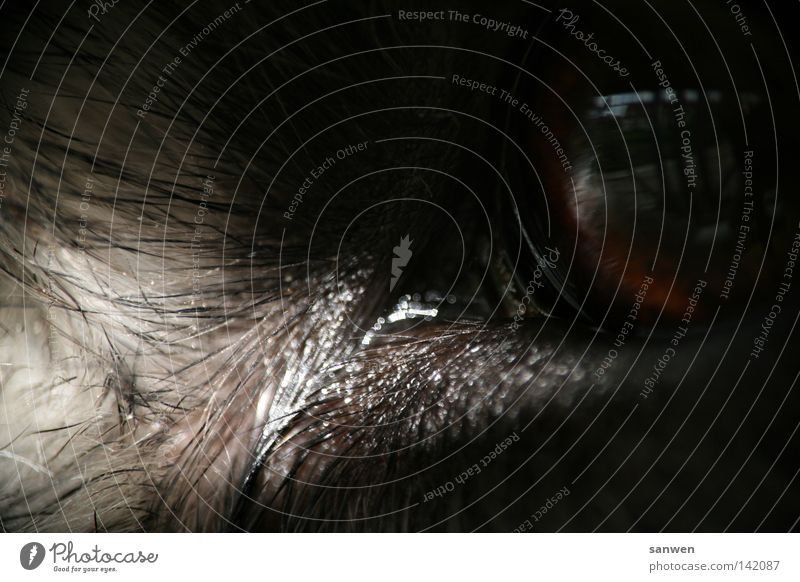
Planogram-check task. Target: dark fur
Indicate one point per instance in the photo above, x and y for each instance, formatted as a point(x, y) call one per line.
point(228, 387)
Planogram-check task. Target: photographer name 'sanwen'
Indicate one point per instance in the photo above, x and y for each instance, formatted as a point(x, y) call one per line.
point(672, 549)
point(65, 554)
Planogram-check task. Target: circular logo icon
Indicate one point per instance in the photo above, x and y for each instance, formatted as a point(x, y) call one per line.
point(31, 555)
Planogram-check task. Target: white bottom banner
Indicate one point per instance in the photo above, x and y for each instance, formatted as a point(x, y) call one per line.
point(356, 557)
